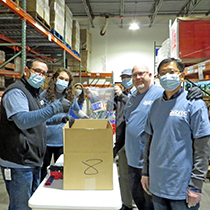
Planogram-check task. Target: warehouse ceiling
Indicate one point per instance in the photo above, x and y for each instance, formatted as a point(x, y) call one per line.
point(124, 9)
point(97, 14)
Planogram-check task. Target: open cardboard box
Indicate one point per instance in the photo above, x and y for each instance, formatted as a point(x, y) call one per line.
point(88, 155)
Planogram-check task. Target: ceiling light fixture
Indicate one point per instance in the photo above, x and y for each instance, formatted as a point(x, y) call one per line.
point(134, 26)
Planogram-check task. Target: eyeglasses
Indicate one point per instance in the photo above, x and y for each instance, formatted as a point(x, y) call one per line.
point(168, 71)
point(39, 72)
point(140, 74)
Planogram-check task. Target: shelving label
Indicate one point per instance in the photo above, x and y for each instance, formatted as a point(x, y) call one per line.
point(49, 37)
point(40, 27)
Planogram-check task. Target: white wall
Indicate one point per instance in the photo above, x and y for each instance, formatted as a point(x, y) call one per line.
point(121, 48)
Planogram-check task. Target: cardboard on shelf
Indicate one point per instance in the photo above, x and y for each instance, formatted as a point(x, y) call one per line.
point(190, 39)
point(88, 155)
point(86, 39)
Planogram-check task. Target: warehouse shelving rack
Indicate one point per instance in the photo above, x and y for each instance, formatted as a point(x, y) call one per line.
point(39, 38)
point(102, 80)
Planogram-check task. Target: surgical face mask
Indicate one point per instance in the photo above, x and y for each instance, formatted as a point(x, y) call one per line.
point(127, 83)
point(170, 81)
point(35, 80)
point(79, 91)
point(61, 84)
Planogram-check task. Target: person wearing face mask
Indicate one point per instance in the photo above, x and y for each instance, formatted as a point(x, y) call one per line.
point(136, 111)
point(177, 144)
point(22, 133)
point(80, 100)
point(120, 100)
point(59, 86)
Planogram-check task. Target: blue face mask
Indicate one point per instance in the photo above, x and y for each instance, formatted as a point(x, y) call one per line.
point(35, 80)
point(61, 84)
point(79, 91)
point(127, 83)
point(170, 81)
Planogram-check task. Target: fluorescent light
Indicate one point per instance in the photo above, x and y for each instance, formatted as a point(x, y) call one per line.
point(134, 26)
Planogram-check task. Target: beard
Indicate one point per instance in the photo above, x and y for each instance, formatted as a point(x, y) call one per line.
point(140, 87)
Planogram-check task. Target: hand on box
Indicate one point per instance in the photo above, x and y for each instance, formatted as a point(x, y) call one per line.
point(68, 118)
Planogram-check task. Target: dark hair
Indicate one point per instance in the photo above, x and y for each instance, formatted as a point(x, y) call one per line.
point(179, 64)
point(82, 95)
point(51, 89)
point(31, 62)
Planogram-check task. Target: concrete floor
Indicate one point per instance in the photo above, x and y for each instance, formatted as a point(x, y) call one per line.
point(205, 203)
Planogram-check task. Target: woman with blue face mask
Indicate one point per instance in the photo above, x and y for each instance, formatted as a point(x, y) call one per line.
point(80, 100)
point(59, 86)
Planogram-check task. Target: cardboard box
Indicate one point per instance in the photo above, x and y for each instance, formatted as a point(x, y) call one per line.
point(86, 39)
point(88, 155)
point(190, 39)
point(35, 6)
point(76, 36)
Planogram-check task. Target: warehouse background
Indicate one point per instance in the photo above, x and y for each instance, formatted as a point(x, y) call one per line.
point(122, 48)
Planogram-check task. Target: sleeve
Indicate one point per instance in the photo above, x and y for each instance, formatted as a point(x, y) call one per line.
point(145, 171)
point(15, 101)
point(148, 126)
point(201, 154)
point(123, 97)
point(56, 119)
point(81, 114)
point(199, 122)
point(29, 119)
point(120, 137)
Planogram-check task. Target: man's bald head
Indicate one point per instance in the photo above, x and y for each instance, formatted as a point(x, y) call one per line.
point(141, 67)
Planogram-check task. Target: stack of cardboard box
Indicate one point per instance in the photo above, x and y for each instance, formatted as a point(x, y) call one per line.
point(39, 9)
point(57, 14)
point(76, 36)
point(68, 22)
point(86, 44)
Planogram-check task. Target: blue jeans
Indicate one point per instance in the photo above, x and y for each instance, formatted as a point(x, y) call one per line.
point(167, 204)
point(23, 184)
point(142, 200)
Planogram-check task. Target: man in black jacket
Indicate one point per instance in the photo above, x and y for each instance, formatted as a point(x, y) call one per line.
point(22, 134)
point(119, 102)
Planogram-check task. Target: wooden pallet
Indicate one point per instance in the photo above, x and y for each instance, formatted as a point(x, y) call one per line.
point(41, 20)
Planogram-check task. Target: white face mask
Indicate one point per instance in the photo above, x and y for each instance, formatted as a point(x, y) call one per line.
point(61, 84)
point(170, 81)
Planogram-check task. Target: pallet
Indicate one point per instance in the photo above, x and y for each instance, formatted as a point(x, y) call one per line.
point(67, 45)
point(76, 53)
point(42, 21)
point(57, 35)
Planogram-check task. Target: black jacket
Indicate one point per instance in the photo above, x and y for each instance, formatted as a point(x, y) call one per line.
point(119, 104)
point(25, 147)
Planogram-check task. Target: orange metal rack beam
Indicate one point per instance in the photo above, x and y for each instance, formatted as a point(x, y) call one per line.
point(25, 16)
point(105, 75)
point(8, 73)
point(6, 39)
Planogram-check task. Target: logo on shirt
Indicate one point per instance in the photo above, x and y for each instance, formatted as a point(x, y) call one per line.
point(42, 102)
point(147, 102)
point(178, 113)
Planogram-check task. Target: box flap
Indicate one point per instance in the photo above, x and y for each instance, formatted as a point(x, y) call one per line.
point(90, 123)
